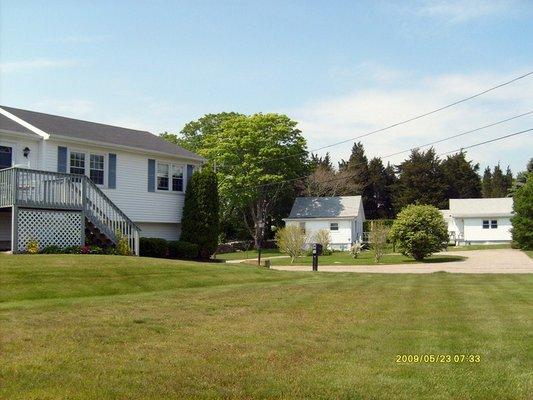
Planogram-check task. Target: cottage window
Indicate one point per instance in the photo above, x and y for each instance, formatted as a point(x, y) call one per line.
point(485, 224)
point(77, 163)
point(334, 226)
point(6, 157)
point(177, 178)
point(162, 176)
point(96, 172)
point(494, 224)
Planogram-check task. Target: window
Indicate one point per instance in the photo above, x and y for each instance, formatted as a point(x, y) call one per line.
point(485, 224)
point(177, 178)
point(77, 163)
point(6, 157)
point(494, 224)
point(96, 172)
point(162, 176)
point(334, 226)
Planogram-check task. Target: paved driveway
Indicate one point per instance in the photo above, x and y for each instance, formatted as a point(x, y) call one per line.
point(497, 261)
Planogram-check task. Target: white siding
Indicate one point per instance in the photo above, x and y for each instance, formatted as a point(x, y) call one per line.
point(474, 232)
point(340, 239)
point(18, 144)
point(164, 231)
point(131, 194)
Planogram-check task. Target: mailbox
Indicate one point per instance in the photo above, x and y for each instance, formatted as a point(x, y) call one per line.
point(317, 249)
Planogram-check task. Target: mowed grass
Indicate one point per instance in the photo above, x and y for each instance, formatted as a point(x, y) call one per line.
point(366, 257)
point(479, 247)
point(104, 327)
point(242, 255)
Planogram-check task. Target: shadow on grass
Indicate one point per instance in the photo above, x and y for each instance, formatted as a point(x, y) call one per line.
point(443, 259)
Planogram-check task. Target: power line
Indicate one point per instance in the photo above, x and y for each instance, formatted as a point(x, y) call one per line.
point(407, 120)
point(487, 141)
point(459, 134)
point(441, 154)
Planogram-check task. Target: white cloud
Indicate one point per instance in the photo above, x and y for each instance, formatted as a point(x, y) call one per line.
point(327, 121)
point(461, 10)
point(43, 63)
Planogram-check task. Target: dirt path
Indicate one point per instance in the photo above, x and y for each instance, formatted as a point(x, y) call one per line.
point(497, 261)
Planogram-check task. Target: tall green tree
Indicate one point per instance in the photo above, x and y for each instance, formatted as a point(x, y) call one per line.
point(200, 221)
point(420, 181)
point(523, 219)
point(358, 182)
point(521, 178)
point(254, 155)
point(193, 135)
point(486, 183)
point(498, 184)
point(461, 177)
point(380, 181)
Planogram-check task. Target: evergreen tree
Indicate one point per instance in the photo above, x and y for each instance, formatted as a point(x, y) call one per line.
point(521, 178)
point(358, 183)
point(523, 219)
point(390, 179)
point(461, 177)
point(200, 221)
point(508, 178)
point(498, 184)
point(421, 181)
point(486, 183)
point(380, 184)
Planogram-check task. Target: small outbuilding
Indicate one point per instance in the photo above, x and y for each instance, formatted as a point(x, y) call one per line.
point(478, 221)
point(343, 216)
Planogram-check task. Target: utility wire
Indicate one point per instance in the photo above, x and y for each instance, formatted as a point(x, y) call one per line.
point(441, 154)
point(409, 119)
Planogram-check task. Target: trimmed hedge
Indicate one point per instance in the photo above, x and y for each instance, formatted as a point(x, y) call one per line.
point(161, 248)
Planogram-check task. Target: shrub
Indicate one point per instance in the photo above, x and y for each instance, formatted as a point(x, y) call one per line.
point(356, 249)
point(291, 241)
point(182, 250)
point(153, 247)
point(378, 239)
point(52, 249)
point(323, 237)
point(200, 222)
point(73, 250)
point(419, 231)
point(523, 219)
point(32, 247)
point(123, 246)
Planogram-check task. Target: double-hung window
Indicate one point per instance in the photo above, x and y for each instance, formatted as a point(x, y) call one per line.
point(77, 163)
point(494, 224)
point(162, 176)
point(96, 172)
point(486, 224)
point(177, 178)
point(334, 226)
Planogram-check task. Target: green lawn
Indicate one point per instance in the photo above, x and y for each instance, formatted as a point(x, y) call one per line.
point(365, 258)
point(242, 255)
point(529, 253)
point(480, 247)
point(109, 327)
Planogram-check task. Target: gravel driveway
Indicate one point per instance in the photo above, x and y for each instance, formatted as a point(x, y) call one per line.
point(497, 261)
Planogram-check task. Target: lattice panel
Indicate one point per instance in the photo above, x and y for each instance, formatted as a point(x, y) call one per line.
point(61, 228)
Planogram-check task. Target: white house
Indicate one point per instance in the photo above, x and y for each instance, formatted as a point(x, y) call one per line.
point(342, 216)
point(479, 220)
point(62, 179)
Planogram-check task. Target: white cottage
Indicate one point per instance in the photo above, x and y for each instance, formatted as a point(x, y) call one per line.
point(343, 216)
point(62, 179)
point(479, 220)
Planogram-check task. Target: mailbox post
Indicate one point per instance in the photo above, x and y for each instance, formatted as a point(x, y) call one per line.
point(317, 251)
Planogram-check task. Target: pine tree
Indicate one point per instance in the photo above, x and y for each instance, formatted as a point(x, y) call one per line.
point(200, 221)
point(421, 181)
point(498, 184)
point(390, 179)
point(358, 183)
point(486, 183)
point(380, 183)
point(461, 177)
point(508, 180)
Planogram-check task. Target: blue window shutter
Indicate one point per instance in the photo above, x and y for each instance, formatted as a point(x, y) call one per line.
point(190, 171)
point(61, 159)
point(112, 171)
point(151, 175)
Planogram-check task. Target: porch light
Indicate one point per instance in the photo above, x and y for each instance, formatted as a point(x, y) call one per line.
point(26, 152)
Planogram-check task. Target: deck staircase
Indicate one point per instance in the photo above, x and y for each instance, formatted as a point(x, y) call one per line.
point(105, 223)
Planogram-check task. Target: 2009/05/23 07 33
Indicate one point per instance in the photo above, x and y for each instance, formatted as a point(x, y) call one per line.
point(437, 358)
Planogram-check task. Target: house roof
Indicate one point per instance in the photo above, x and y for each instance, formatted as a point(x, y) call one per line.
point(325, 207)
point(7, 124)
point(85, 130)
point(481, 207)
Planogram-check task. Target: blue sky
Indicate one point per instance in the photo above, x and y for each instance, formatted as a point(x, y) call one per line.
point(340, 68)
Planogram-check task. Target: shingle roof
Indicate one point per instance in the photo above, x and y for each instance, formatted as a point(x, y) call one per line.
point(325, 207)
point(79, 129)
point(8, 124)
point(481, 207)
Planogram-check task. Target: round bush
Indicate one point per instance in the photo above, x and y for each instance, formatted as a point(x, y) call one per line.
point(419, 231)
